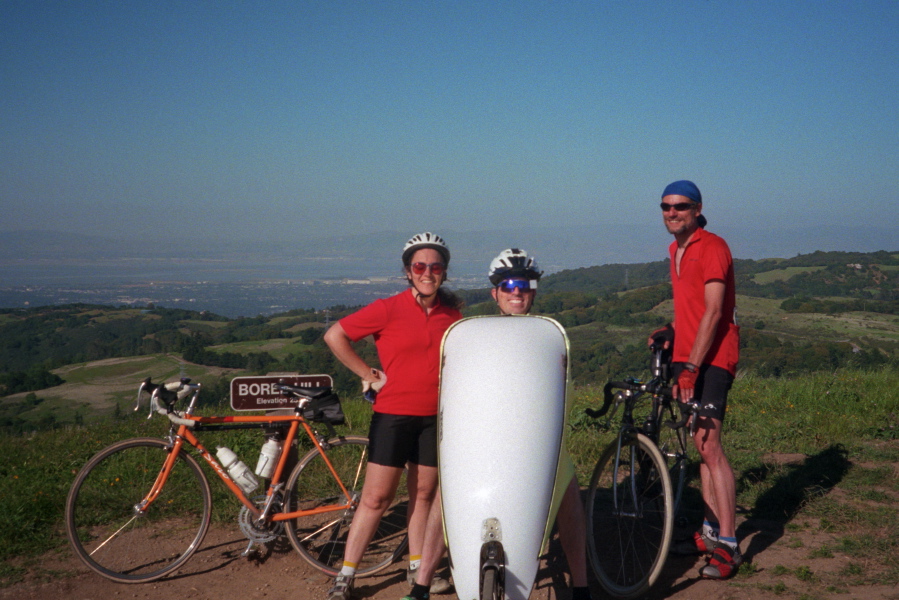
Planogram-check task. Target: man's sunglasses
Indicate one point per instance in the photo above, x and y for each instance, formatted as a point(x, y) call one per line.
point(437, 268)
point(679, 207)
point(509, 285)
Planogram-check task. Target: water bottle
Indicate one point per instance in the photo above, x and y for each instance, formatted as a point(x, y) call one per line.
point(238, 471)
point(268, 457)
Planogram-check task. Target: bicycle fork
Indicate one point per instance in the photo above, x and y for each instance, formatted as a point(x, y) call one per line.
point(141, 507)
point(619, 510)
point(493, 559)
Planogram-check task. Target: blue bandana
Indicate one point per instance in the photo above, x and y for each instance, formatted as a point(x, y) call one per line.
point(684, 188)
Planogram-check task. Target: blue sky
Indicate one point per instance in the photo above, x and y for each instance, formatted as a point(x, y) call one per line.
point(261, 119)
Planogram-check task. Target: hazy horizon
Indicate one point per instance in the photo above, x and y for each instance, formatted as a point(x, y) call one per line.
point(61, 257)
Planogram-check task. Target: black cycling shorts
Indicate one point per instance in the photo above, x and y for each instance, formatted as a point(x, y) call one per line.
point(394, 440)
point(712, 387)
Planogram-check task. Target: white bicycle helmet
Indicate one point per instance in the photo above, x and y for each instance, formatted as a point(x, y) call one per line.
point(425, 240)
point(514, 262)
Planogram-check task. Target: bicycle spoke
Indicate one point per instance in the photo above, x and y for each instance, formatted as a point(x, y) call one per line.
point(629, 518)
point(317, 532)
point(113, 536)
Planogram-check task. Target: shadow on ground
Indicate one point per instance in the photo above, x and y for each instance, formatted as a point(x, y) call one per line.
point(791, 485)
point(796, 484)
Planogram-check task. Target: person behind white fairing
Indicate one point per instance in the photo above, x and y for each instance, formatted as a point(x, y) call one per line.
point(514, 276)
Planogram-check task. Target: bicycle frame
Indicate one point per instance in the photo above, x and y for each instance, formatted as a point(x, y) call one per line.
point(188, 423)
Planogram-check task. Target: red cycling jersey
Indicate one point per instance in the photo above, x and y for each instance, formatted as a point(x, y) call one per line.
point(706, 258)
point(408, 342)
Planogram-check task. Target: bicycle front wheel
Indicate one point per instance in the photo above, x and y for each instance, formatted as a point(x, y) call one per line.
point(321, 538)
point(630, 518)
point(117, 540)
point(491, 589)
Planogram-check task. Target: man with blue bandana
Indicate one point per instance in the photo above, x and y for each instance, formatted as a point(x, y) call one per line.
point(705, 348)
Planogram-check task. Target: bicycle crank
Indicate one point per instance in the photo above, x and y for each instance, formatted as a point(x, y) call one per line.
point(260, 532)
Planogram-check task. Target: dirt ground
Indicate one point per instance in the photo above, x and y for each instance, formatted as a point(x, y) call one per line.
point(218, 572)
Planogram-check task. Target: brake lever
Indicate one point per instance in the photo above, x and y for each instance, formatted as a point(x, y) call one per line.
point(694, 408)
point(140, 391)
point(145, 386)
point(687, 410)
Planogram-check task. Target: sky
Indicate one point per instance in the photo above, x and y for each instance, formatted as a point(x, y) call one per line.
point(258, 120)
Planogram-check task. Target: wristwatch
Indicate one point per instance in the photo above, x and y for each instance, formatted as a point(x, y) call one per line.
point(691, 367)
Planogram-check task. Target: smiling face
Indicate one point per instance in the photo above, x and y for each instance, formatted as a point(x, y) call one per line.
point(516, 302)
point(681, 222)
point(426, 283)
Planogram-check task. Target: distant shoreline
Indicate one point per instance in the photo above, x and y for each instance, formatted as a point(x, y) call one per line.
point(228, 299)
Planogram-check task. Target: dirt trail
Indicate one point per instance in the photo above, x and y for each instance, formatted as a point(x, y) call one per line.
point(218, 572)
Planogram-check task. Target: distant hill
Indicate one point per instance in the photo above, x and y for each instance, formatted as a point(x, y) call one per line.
point(376, 253)
point(850, 274)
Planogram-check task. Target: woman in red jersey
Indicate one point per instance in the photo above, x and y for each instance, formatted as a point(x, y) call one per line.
point(408, 329)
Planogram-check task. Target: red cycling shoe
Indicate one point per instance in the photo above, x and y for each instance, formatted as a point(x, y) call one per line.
point(724, 562)
point(698, 544)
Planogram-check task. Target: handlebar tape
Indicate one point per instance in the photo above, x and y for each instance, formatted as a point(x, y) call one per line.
point(609, 396)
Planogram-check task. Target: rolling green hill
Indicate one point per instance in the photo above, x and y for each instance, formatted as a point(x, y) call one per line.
point(815, 312)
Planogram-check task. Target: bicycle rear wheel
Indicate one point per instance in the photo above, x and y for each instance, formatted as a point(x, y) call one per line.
point(321, 539)
point(126, 545)
point(673, 446)
point(629, 510)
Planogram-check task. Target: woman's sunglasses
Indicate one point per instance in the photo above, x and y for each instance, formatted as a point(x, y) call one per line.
point(437, 268)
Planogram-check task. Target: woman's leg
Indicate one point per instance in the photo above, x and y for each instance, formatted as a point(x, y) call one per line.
point(422, 484)
point(434, 544)
point(377, 493)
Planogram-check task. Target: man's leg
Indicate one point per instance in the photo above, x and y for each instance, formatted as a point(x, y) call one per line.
point(718, 482)
point(572, 533)
point(726, 557)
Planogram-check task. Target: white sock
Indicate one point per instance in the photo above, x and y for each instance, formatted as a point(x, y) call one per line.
point(710, 530)
point(731, 541)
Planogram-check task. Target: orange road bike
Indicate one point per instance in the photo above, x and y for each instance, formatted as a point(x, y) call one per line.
point(140, 508)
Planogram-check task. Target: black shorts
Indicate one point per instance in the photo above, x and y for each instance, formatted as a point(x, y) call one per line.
point(712, 387)
point(394, 440)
